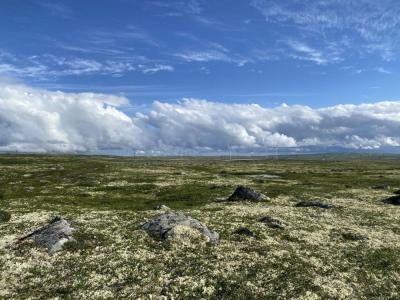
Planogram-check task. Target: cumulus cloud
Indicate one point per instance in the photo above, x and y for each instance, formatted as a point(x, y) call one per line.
point(40, 120)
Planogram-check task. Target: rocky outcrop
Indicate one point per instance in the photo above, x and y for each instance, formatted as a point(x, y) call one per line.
point(243, 193)
point(166, 225)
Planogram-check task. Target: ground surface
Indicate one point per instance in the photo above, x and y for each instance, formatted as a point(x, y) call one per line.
point(351, 252)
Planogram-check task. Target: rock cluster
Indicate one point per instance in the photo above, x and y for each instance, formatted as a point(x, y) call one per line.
point(243, 193)
point(166, 224)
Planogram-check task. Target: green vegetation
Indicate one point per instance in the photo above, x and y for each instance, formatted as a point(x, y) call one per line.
point(349, 252)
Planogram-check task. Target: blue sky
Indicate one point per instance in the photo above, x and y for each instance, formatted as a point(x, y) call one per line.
point(162, 77)
point(317, 53)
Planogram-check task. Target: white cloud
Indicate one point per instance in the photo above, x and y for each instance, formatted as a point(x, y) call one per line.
point(39, 120)
point(305, 52)
point(49, 66)
point(383, 71)
point(362, 25)
point(203, 56)
point(156, 68)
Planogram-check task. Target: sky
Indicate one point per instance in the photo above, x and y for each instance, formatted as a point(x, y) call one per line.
point(200, 76)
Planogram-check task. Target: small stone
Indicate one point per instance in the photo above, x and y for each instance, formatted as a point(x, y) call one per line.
point(4, 216)
point(314, 204)
point(395, 200)
point(272, 222)
point(380, 187)
point(162, 207)
point(244, 231)
point(243, 193)
point(51, 236)
point(164, 226)
point(349, 236)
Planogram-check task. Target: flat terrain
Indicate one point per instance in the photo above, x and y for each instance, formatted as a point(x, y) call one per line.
point(348, 252)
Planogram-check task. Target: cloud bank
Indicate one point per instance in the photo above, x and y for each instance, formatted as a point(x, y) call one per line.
point(36, 120)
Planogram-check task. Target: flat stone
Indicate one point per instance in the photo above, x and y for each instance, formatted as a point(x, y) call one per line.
point(314, 204)
point(349, 236)
point(4, 216)
point(243, 193)
point(266, 176)
point(381, 187)
point(164, 225)
point(272, 222)
point(244, 231)
point(51, 236)
point(395, 200)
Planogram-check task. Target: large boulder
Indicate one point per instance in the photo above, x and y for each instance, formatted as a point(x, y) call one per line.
point(243, 193)
point(169, 224)
point(395, 200)
point(51, 236)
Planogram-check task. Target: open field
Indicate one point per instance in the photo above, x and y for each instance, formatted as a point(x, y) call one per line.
point(348, 252)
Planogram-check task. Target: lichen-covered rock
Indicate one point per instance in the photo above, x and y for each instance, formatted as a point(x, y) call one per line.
point(314, 204)
point(52, 236)
point(4, 216)
point(395, 200)
point(169, 224)
point(272, 222)
point(243, 193)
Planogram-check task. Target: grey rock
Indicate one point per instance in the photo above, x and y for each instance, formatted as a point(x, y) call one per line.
point(163, 226)
point(52, 236)
point(314, 203)
point(4, 216)
point(244, 231)
point(395, 200)
point(272, 222)
point(243, 193)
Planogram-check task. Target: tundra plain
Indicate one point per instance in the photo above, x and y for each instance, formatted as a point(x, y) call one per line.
point(350, 251)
